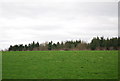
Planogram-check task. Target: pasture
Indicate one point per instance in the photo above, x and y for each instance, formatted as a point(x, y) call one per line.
point(60, 65)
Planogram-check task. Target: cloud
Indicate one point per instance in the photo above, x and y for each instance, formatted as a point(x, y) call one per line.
point(23, 21)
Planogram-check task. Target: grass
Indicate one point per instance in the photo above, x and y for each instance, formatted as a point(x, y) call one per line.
point(0, 65)
point(60, 65)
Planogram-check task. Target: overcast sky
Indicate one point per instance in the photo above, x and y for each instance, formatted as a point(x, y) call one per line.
point(24, 21)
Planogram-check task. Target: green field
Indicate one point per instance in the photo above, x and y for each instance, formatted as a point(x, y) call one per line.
point(60, 65)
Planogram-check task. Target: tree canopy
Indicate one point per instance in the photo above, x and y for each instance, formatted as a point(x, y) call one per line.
point(97, 43)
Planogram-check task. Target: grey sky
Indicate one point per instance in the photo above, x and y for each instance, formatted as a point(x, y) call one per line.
point(24, 21)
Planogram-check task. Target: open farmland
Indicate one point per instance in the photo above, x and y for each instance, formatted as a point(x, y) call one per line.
point(60, 65)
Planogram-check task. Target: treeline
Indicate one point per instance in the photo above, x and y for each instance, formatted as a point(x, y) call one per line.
point(97, 43)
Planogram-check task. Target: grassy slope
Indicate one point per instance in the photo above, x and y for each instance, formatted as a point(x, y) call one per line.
point(60, 64)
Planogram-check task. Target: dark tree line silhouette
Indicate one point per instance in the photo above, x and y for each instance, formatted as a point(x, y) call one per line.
point(97, 43)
